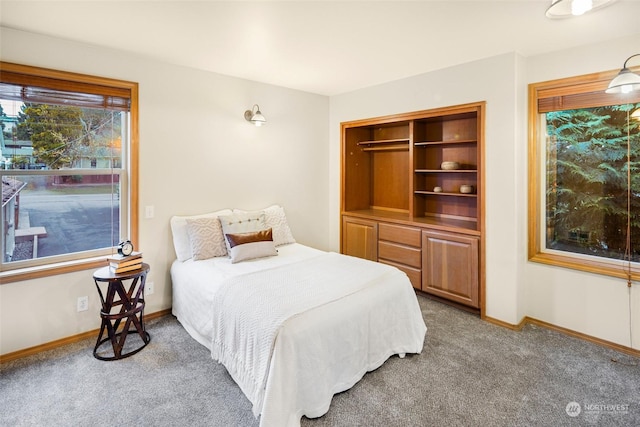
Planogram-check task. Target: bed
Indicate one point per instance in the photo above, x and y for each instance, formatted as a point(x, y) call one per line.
point(295, 327)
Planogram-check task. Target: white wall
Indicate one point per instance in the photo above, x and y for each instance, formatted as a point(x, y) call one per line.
point(197, 154)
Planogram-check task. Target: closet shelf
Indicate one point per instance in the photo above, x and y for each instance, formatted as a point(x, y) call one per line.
point(385, 141)
point(452, 141)
point(446, 171)
point(446, 193)
point(388, 148)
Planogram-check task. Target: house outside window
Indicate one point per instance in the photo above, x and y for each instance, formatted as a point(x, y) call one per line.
point(584, 181)
point(70, 142)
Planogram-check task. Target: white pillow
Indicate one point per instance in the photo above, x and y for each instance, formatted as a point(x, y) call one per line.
point(181, 242)
point(275, 218)
point(206, 238)
point(257, 244)
point(241, 223)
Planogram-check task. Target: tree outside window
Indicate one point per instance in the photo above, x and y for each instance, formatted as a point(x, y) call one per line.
point(584, 205)
point(587, 181)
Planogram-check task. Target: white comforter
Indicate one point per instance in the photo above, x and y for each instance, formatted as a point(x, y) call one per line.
point(339, 329)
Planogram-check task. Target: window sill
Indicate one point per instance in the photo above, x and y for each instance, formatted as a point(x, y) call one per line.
point(613, 268)
point(51, 270)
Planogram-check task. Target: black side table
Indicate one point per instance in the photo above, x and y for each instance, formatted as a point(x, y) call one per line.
point(128, 307)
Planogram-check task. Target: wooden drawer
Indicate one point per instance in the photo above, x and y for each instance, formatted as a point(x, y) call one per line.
point(414, 274)
point(399, 253)
point(409, 236)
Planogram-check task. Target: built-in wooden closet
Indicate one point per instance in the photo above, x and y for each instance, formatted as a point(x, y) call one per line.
point(412, 196)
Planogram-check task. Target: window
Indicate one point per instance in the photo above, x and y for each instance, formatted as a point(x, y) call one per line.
point(584, 186)
point(69, 170)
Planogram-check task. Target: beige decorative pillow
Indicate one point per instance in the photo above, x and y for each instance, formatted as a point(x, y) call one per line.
point(181, 242)
point(206, 238)
point(242, 223)
point(275, 218)
point(251, 245)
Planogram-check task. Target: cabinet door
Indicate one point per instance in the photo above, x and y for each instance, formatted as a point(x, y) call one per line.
point(360, 238)
point(450, 267)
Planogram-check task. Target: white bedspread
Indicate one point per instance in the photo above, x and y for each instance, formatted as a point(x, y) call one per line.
point(249, 310)
point(318, 350)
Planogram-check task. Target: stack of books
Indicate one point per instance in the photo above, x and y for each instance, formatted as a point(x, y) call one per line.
point(122, 264)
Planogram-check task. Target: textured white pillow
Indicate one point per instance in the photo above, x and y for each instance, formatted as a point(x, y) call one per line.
point(241, 223)
point(275, 218)
point(181, 242)
point(244, 246)
point(206, 238)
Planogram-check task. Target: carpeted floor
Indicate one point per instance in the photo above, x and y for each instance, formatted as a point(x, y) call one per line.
point(469, 373)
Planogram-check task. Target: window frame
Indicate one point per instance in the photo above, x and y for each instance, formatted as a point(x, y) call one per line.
point(85, 83)
point(561, 89)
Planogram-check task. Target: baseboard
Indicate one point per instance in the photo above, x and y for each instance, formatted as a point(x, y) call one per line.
point(68, 340)
point(526, 320)
point(497, 322)
point(529, 320)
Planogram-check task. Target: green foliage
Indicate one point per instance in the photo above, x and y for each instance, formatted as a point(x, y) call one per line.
point(3, 116)
point(20, 161)
point(62, 135)
point(52, 130)
point(587, 178)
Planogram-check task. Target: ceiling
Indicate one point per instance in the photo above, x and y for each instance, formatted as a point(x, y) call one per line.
point(323, 47)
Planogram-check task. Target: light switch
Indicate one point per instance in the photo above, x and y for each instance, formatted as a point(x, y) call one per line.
point(149, 212)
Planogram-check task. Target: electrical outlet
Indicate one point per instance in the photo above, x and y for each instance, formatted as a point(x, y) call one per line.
point(148, 288)
point(83, 303)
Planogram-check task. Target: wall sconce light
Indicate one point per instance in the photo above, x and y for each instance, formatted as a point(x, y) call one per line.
point(255, 116)
point(567, 8)
point(626, 81)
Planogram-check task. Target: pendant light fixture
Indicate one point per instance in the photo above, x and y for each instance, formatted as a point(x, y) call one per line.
point(626, 81)
point(567, 8)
